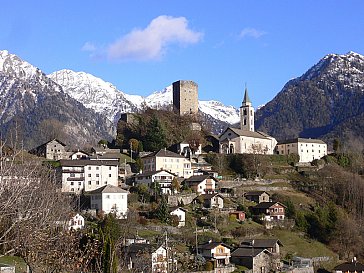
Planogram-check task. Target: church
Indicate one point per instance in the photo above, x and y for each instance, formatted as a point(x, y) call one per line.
point(246, 140)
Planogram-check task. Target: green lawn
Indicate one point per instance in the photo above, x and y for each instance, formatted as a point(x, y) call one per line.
point(20, 265)
point(298, 245)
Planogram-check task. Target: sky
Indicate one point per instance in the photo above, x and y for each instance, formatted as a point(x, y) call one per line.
point(143, 46)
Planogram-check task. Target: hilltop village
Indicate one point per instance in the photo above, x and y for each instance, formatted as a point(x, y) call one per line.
point(204, 204)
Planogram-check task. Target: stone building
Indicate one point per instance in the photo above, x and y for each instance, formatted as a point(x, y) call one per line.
point(246, 140)
point(185, 97)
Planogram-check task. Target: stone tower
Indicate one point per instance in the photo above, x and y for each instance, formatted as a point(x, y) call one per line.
point(185, 97)
point(246, 114)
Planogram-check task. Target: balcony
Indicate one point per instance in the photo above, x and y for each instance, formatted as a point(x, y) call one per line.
point(75, 178)
point(221, 255)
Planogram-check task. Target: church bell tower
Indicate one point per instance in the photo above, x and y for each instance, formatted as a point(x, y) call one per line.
point(246, 113)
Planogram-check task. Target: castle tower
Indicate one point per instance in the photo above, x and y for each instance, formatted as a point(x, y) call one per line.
point(246, 114)
point(185, 97)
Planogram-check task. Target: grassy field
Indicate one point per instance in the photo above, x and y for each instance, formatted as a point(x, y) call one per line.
point(296, 244)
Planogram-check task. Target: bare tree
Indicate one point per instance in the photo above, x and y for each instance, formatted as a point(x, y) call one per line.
point(34, 215)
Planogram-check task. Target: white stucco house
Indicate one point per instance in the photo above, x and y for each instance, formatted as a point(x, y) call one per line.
point(307, 148)
point(76, 222)
point(169, 161)
point(201, 184)
point(87, 175)
point(110, 199)
point(162, 177)
point(181, 214)
point(246, 140)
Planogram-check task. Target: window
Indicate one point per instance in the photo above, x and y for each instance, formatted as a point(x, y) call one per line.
point(89, 175)
point(97, 182)
point(72, 175)
point(89, 167)
point(72, 189)
point(109, 174)
point(110, 168)
point(72, 183)
point(97, 168)
point(97, 175)
point(107, 196)
point(89, 182)
point(79, 183)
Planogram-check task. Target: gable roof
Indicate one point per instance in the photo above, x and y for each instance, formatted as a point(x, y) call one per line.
point(255, 193)
point(353, 266)
point(261, 243)
point(199, 178)
point(212, 245)
point(163, 153)
point(108, 189)
point(153, 173)
point(267, 205)
point(142, 248)
point(245, 133)
point(86, 162)
point(171, 209)
point(300, 139)
point(248, 252)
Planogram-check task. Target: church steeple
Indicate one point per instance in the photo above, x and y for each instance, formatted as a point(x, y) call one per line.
point(246, 96)
point(246, 113)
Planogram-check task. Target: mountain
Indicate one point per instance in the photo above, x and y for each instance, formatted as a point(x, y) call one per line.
point(32, 107)
point(104, 98)
point(325, 102)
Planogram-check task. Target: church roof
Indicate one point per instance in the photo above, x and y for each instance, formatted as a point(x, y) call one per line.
point(245, 133)
point(246, 97)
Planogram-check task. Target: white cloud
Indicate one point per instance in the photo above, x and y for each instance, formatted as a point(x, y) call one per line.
point(89, 47)
point(251, 32)
point(152, 42)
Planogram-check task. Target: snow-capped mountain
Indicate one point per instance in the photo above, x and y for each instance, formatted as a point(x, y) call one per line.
point(105, 98)
point(326, 101)
point(34, 103)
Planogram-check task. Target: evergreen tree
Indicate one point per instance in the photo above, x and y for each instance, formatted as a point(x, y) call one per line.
point(155, 138)
point(162, 210)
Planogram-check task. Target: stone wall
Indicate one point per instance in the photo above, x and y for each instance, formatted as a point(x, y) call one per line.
point(185, 97)
point(186, 199)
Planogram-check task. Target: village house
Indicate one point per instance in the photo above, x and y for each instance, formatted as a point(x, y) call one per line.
point(210, 200)
point(169, 161)
point(87, 175)
point(144, 257)
point(215, 252)
point(255, 259)
point(246, 140)
point(76, 222)
point(79, 155)
point(110, 199)
point(270, 211)
point(349, 267)
point(201, 184)
point(257, 196)
point(52, 150)
point(181, 214)
point(273, 245)
point(308, 149)
point(162, 178)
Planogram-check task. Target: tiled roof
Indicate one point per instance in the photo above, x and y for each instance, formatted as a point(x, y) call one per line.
point(304, 140)
point(247, 252)
point(212, 245)
point(86, 162)
point(108, 189)
point(240, 132)
point(261, 243)
point(266, 205)
point(163, 153)
point(350, 267)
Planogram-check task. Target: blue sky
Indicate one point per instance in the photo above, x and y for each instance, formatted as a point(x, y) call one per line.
point(143, 46)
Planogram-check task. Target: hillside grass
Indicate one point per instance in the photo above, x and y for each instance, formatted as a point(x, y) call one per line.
point(296, 244)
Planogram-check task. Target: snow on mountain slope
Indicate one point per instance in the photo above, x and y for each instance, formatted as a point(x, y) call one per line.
point(219, 111)
point(105, 98)
point(94, 93)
